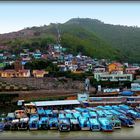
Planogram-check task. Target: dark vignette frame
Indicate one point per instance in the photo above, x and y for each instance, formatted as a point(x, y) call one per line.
point(69, 1)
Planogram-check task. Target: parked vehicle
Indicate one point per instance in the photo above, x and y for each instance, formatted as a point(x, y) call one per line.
point(101, 113)
point(53, 123)
point(2, 123)
point(68, 111)
point(126, 121)
point(105, 124)
point(100, 107)
point(43, 123)
point(133, 114)
point(55, 113)
point(117, 108)
point(49, 113)
point(69, 115)
point(85, 114)
point(81, 109)
point(94, 124)
point(23, 123)
point(61, 115)
point(107, 112)
point(92, 114)
point(124, 107)
point(41, 111)
point(2, 126)
point(33, 122)
point(114, 121)
point(10, 116)
point(64, 124)
point(14, 124)
point(117, 113)
point(7, 125)
point(74, 124)
point(107, 107)
point(91, 109)
point(76, 114)
point(84, 123)
point(137, 109)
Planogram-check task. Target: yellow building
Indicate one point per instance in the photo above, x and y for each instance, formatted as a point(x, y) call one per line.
point(78, 71)
point(115, 67)
point(23, 73)
point(8, 73)
point(13, 73)
point(39, 73)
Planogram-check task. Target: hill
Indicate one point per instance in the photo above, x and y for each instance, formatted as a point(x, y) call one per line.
point(125, 38)
point(89, 36)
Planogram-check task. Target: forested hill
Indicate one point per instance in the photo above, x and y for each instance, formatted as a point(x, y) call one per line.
point(89, 36)
point(124, 38)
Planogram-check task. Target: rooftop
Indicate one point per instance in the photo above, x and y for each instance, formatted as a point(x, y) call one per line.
point(59, 102)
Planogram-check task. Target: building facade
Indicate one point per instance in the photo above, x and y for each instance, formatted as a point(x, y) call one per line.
point(113, 77)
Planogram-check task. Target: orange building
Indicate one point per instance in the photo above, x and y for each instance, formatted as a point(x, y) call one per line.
point(39, 73)
point(115, 67)
point(78, 71)
point(8, 73)
point(12, 73)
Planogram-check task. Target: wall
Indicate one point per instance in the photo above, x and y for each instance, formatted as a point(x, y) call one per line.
point(46, 83)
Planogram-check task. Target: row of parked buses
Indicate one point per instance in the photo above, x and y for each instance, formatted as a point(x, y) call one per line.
point(99, 118)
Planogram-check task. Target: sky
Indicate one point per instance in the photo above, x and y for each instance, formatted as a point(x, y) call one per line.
point(15, 16)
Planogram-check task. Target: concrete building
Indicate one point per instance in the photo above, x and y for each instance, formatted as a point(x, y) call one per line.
point(113, 77)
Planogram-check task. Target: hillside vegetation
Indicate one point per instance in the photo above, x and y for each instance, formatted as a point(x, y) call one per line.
point(89, 36)
point(123, 38)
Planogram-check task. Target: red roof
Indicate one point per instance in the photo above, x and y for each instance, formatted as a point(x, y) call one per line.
point(24, 71)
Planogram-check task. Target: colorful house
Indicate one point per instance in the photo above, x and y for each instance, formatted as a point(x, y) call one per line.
point(131, 70)
point(12, 73)
point(114, 67)
point(44, 56)
point(99, 69)
point(37, 55)
point(23, 73)
point(39, 73)
point(8, 73)
point(62, 67)
point(78, 71)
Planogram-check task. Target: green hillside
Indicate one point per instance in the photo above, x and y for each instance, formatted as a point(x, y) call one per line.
point(125, 39)
point(78, 39)
point(89, 36)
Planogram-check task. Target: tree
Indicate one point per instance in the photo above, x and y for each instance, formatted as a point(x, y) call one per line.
point(41, 64)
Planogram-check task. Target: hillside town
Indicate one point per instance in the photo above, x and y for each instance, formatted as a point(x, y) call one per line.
point(102, 69)
point(69, 70)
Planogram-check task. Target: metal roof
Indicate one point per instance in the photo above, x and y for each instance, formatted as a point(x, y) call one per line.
point(58, 102)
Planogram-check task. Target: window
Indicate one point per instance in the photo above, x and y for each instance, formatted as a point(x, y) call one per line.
point(128, 77)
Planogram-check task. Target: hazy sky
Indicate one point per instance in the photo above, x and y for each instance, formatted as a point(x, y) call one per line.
point(18, 15)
